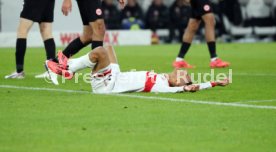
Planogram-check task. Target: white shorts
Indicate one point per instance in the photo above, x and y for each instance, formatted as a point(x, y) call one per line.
point(104, 80)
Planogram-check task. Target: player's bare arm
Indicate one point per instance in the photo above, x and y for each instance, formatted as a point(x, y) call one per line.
point(191, 88)
point(66, 7)
point(198, 87)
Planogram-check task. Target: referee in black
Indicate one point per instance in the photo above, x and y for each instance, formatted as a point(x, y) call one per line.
point(42, 12)
point(93, 24)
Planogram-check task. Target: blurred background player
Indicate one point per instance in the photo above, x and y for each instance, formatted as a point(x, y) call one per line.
point(132, 17)
point(180, 12)
point(201, 11)
point(111, 15)
point(42, 12)
point(93, 24)
point(157, 18)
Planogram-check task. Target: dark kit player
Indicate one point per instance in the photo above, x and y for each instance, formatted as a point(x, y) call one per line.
point(201, 11)
point(93, 25)
point(42, 12)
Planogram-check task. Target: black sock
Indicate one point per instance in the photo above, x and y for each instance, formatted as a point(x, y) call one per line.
point(212, 49)
point(74, 47)
point(50, 48)
point(184, 49)
point(21, 44)
point(96, 44)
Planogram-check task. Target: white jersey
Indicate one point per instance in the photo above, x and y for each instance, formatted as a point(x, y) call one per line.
point(111, 80)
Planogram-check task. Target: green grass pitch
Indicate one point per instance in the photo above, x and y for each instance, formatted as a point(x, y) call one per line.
point(52, 120)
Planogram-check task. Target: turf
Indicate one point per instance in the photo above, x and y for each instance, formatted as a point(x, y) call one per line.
point(39, 120)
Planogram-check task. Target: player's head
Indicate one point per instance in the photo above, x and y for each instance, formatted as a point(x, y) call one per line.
point(179, 77)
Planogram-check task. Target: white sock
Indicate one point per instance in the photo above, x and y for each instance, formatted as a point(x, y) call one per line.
point(80, 63)
point(179, 59)
point(214, 59)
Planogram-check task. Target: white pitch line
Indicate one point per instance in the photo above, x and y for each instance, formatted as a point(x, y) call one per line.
point(257, 101)
point(198, 101)
point(254, 74)
point(146, 97)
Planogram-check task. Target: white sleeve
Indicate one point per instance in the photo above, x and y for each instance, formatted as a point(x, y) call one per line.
point(162, 86)
point(203, 86)
point(166, 89)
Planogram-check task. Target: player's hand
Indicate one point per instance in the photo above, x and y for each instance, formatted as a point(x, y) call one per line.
point(223, 83)
point(66, 7)
point(122, 3)
point(191, 88)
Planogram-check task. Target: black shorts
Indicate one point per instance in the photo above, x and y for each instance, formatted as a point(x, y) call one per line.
point(200, 8)
point(90, 10)
point(38, 10)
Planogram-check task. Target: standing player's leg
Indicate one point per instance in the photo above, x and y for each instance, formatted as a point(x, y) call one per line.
point(209, 20)
point(79, 43)
point(49, 43)
point(86, 38)
point(98, 27)
point(45, 25)
point(188, 36)
point(21, 45)
point(93, 27)
point(92, 15)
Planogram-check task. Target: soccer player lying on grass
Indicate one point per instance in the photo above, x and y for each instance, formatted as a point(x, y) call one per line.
point(107, 77)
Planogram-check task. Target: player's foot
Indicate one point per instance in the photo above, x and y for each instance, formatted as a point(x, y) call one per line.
point(59, 70)
point(16, 75)
point(43, 75)
point(218, 63)
point(52, 74)
point(182, 64)
point(62, 60)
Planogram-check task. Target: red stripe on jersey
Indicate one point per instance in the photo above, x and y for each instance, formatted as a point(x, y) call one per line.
point(213, 84)
point(105, 73)
point(150, 81)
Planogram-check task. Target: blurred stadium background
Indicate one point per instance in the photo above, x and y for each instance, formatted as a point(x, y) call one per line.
point(251, 21)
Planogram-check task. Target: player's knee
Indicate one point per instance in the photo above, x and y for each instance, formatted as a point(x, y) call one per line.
point(209, 20)
point(192, 28)
point(211, 23)
point(22, 32)
point(23, 28)
point(46, 33)
point(98, 53)
point(101, 51)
